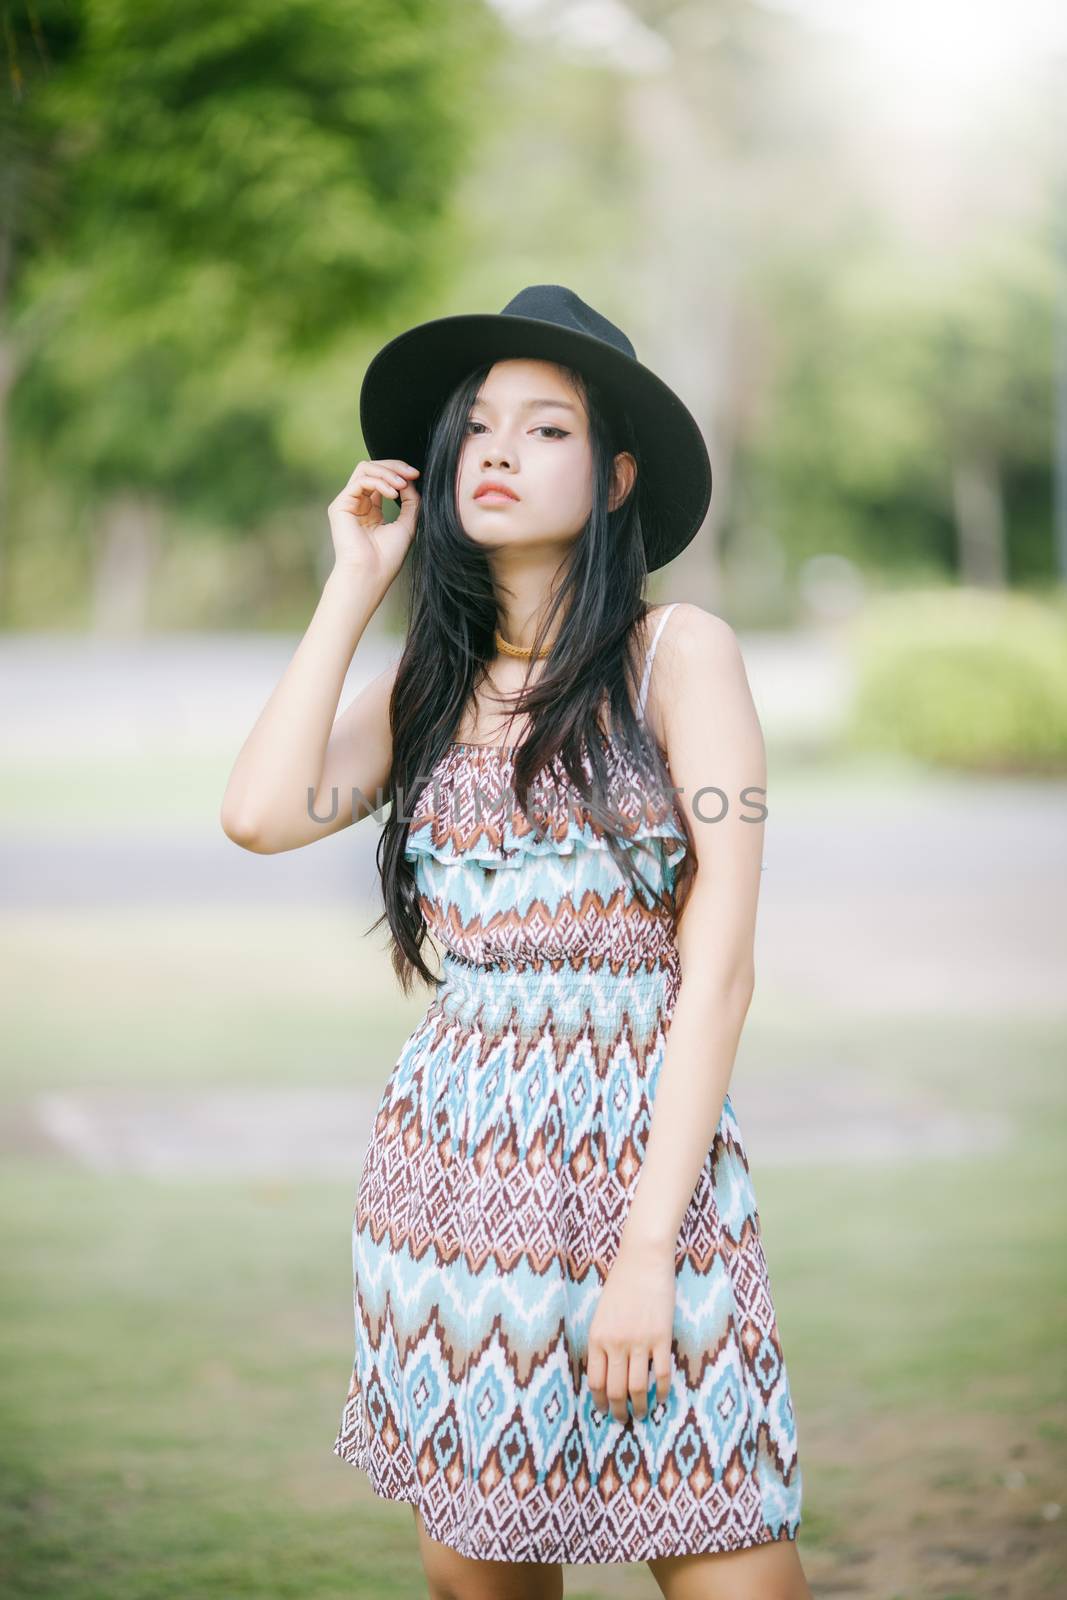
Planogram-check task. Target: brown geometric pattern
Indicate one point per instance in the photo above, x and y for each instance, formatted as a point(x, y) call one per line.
point(505, 1152)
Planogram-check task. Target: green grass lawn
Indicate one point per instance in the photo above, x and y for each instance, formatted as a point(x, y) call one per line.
point(175, 1354)
point(150, 789)
point(191, 997)
point(156, 789)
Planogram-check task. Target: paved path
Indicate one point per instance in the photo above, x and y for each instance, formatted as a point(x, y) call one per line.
point(314, 1132)
point(941, 897)
point(948, 898)
point(102, 694)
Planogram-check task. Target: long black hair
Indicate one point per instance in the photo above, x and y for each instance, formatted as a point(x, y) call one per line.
point(452, 613)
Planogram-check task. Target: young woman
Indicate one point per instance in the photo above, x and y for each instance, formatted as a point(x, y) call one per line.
point(565, 1343)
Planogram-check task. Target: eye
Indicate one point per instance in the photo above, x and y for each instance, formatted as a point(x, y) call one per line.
point(544, 427)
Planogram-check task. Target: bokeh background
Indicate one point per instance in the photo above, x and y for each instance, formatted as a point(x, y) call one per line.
point(840, 231)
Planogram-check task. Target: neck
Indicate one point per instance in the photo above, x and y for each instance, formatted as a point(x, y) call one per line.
point(524, 582)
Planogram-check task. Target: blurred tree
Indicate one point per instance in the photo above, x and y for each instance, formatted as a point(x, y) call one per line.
point(232, 210)
point(696, 124)
point(902, 403)
point(39, 37)
point(991, 393)
point(246, 193)
point(862, 390)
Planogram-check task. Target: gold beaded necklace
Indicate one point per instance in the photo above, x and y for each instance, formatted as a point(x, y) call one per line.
point(517, 650)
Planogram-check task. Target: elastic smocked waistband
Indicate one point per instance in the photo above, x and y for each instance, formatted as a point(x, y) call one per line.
point(455, 969)
point(575, 994)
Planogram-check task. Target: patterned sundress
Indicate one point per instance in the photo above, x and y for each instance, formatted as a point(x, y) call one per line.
point(503, 1157)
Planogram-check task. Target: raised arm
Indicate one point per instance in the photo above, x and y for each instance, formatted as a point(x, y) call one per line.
point(302, 770)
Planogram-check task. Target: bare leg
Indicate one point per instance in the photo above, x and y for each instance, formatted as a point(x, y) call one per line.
point(451, 1576)
point(762, 1572)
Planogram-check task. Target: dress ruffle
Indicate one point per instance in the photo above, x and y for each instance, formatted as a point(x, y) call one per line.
point(469, 811)
point(491, 1204)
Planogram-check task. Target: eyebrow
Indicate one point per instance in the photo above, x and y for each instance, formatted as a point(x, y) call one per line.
point(532, 405)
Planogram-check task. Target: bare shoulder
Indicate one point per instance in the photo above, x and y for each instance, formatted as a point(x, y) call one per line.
point(692, 629)
point(695, 647)
point(687, 627)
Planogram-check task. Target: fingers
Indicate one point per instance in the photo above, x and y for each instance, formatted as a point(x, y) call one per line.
point(386, 477)
point(618, 1368)
point(399, 473)
point(390, 483)
point(620, 1376)
point(661, 1366)
point(387, 487)
point(615, 1376)
point(402, 469)
point(597, 1373)
point(638, 1382)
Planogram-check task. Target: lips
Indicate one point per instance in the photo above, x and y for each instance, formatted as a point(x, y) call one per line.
point(494, 491)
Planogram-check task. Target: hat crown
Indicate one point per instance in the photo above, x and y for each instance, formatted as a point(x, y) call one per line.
point(412, 377)
point(553, 302)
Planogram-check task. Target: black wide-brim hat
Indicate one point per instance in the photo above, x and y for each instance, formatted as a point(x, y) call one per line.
point(412, 376)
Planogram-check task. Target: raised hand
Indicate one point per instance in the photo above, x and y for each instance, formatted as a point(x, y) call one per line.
point(362, 540)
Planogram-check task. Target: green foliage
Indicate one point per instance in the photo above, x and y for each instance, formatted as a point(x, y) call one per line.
point(213, 217)
point(885, 374)
point(963, 678)
point(248, 192)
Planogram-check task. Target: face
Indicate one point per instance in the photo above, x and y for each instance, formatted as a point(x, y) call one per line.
point(528, 430)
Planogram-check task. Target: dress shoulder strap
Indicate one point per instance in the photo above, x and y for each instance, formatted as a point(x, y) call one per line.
point(647, 676)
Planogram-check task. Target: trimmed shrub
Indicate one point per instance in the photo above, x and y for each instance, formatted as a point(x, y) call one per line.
point(965, 678)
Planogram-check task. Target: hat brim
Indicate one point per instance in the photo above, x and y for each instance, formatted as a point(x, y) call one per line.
point(410, 378)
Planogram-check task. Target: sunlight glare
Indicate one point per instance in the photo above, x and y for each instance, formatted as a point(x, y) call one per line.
point(944, 55)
